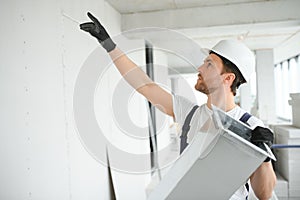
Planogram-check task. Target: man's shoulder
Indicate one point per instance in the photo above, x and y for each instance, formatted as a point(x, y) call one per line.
point(177, 97)
point(182, 102)
point(253, 121)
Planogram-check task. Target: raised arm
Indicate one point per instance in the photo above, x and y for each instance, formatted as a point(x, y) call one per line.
point(133, 74)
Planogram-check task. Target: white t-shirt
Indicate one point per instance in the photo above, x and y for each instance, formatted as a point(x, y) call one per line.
point(181, 108)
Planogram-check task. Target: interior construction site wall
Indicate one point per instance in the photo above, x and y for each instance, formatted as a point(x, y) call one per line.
point(288, 48)
point(42, 51)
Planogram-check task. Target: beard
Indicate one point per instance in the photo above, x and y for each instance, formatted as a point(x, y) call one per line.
point(201, 86)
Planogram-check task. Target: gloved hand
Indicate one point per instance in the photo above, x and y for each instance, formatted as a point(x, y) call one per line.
point(262, 135)
point(99, 32)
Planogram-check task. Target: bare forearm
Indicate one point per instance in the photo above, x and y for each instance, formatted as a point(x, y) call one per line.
point(133, 74)
point(140, 81)
point(121, 61)
point(263, 181)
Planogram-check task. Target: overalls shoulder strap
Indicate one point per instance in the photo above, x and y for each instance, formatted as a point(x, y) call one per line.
point(245, 117)
point(185, 129)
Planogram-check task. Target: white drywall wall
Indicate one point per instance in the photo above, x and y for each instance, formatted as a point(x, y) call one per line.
point(41, 54)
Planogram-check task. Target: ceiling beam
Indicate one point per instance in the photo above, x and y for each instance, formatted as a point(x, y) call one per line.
point(213, 16)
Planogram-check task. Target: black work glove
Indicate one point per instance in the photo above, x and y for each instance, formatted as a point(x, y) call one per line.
point(99, 32)
point(262, 135)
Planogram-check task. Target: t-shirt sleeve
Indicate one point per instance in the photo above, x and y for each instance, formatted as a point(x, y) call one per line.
point(254, 122)
point(181, 107)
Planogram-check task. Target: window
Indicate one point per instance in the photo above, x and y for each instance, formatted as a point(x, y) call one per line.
point(287, 76)
point(294, 75)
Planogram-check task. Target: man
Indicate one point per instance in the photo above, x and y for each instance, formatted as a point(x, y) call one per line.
point(223, 71)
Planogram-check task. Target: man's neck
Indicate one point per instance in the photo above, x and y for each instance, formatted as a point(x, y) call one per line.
point(222, 101)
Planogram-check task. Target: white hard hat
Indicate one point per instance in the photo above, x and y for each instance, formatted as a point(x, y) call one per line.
point(239, 54)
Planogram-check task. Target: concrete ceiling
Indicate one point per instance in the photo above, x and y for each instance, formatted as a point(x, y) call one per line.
point(137, 6)
point(261, 24)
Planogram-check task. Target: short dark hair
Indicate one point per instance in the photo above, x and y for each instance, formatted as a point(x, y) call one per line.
point(229, 67)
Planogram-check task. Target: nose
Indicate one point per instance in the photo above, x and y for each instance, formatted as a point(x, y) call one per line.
point(200, 68)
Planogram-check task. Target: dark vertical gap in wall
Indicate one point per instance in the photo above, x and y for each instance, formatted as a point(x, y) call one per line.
point(112, 193)
point(150, 73)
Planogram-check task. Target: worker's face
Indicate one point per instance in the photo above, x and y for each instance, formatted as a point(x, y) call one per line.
point(210, 75)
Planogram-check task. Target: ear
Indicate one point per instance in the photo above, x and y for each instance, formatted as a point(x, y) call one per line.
point(229, 78)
